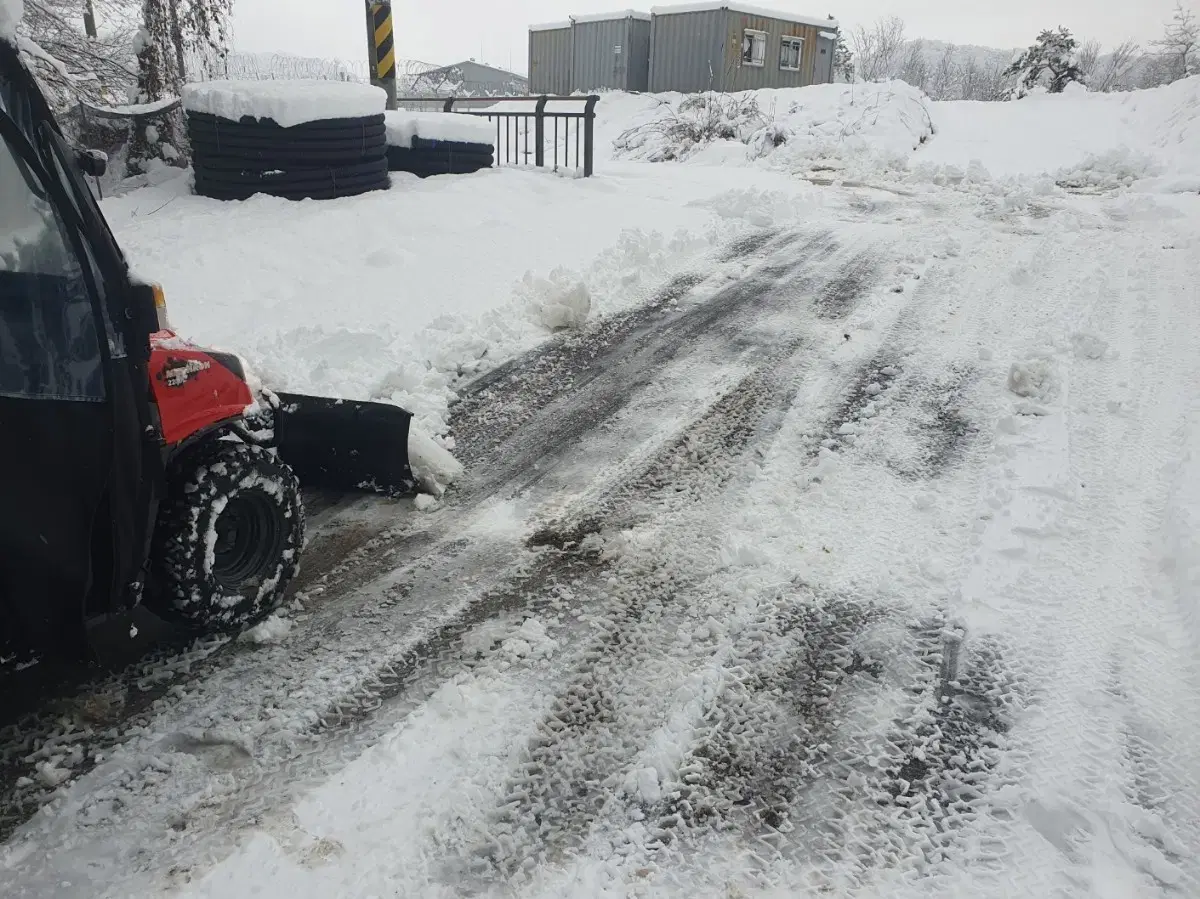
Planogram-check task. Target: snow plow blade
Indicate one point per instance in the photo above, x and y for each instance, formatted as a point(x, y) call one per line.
point(344, 444)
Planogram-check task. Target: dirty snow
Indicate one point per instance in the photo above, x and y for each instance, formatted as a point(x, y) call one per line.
point(884, 582)
point(403, 126)
point(287, 103)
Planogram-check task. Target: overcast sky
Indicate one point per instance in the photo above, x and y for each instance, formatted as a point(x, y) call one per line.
point(495, 31)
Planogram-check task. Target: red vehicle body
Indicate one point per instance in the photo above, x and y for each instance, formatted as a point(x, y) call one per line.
point(194, 389)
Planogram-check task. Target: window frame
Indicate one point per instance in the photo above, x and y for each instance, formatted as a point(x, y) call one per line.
point(798, 43)
point(755, 33)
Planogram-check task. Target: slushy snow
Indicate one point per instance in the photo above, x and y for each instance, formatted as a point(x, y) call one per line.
point(403, 126)
point(287, 103)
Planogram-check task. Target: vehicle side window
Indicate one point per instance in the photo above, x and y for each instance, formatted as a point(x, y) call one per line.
point(49, 346)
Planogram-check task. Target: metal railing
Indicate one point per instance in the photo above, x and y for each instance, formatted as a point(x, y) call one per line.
point(531, 136)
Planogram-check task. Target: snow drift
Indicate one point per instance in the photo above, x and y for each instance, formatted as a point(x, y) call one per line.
point(1086, 141)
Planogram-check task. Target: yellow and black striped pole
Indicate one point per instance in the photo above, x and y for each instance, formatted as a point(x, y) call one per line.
point(381, 45)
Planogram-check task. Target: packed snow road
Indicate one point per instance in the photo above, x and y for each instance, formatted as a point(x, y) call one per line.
point(858, 561)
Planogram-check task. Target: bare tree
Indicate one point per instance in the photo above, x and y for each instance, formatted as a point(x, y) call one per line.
point(943, 80)
point(914, 65)
point(982, 81)
point(878, 49)
point(1112, 72)
point(100, 69)
point(1088, 60)
point(171, 31)
point(1179, 44)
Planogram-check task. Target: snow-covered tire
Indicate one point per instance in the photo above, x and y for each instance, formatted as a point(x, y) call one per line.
point(228, 537)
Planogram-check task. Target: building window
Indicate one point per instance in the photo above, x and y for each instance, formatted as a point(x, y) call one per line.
point(791, 49)
point(754, 48)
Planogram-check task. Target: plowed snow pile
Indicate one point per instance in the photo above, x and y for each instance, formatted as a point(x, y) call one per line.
point(828, 127)
point(1083, 139)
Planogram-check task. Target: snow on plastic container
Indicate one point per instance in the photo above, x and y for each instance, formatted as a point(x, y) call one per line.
point(444, 143)
point(287, 103)
point(450, 127)
point(291, 139)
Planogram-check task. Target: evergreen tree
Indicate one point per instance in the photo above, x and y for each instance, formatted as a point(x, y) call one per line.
point(1053, 60)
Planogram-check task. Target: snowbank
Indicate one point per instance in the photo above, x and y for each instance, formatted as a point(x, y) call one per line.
point(288, 103)
point(11, 12)
point(403, 126)
point(1085, 140)
point(826, 127)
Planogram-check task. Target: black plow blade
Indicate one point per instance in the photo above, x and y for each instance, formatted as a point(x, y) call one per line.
point(344, 444)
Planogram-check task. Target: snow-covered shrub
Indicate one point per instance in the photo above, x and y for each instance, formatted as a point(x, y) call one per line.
point(688, 125)
point(841, 128)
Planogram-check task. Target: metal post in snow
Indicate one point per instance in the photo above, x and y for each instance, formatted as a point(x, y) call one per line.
point(381, 48)
point(539, 138)
point(589, 135)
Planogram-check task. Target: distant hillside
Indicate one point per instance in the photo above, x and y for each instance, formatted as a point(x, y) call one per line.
point(947, 71)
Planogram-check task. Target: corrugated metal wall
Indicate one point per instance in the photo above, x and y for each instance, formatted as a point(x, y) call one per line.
point(823, 66)
point(605, 55)
point(687, 51)
point(740, 77)
point(550, 61)
point(639, 55)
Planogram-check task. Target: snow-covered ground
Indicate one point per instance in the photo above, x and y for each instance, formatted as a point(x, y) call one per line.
point(839, 535)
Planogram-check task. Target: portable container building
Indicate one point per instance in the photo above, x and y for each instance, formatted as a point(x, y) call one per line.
point(735, 47)
point(550, 58)
point(611, 52)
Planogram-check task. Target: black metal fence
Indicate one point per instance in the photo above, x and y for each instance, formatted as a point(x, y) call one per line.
point(534, 131)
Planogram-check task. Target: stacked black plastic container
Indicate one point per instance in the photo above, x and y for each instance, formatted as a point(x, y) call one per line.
point(440, 157)
point(317, 160)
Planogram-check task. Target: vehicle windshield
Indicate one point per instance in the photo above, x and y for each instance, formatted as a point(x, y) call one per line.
point(30, 237)
point(49, 345)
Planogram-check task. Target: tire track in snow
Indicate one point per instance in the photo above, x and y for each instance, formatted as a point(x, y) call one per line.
point(572, 388)
point(350, 715)
point(545, 385)
point(596, 726)
point(593, 731)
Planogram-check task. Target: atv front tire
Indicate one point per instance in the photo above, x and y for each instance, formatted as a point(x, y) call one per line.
point(228, 537)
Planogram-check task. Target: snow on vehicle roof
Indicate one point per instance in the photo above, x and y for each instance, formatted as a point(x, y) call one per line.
point(612, 16)
point(550, 26)
point(403, 126)
point(10, 14)
point(743, 8)
point(288, 103)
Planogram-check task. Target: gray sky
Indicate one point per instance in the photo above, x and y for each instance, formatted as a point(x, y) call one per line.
point(494, 31)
